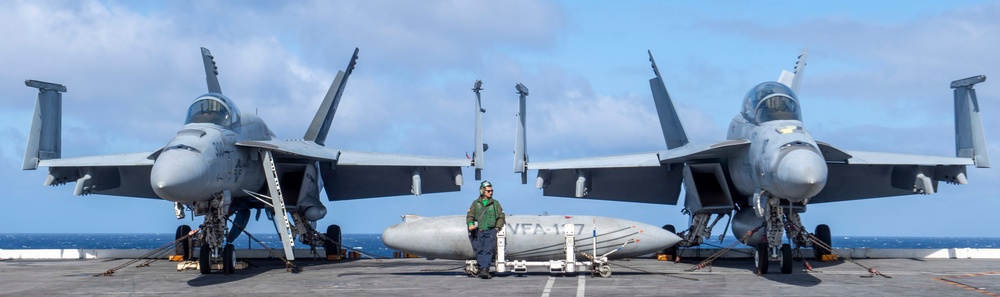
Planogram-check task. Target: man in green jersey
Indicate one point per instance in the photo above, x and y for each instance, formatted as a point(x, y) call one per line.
point(485, 217)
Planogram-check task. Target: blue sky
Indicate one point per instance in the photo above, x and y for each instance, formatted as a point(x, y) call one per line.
point(877, 81)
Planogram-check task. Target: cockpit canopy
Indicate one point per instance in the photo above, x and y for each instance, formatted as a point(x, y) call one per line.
point(213, 109)
point(771, 101)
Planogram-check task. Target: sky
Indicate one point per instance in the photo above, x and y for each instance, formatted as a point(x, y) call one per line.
point(877, 80)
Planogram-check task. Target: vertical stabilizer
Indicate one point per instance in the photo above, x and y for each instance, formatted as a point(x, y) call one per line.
point(673, 131)
point(794, 78)
point(520, 140)
point(324, 116)
point(477, 153)
point(211, 71)
point(970, 141)
point(45, 136)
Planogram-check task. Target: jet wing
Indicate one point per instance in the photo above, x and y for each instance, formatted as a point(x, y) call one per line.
point(653, 177)
point(117, 175)
point(692, 151)
point(876, 158)
point(357, 175)
point(634, 160)
point(631, 178)
point(295, 149)
point(874, 175)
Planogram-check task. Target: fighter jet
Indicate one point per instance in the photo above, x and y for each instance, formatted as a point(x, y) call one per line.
point(764, 174)
point(221, 161)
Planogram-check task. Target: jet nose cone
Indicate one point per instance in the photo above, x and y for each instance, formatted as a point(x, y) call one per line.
point(801, 174)
point(178, 175)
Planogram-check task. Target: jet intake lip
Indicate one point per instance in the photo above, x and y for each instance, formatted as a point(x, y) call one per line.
point(179, 175)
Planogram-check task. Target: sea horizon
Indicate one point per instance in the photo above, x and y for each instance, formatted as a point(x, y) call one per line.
point(371, 243)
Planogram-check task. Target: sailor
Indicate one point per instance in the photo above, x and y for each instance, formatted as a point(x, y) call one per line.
point(484, 218)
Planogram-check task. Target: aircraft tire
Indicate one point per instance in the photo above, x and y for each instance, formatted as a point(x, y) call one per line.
point(670, 251)
point(229, 259)
point(823, 234)
point(760, 258)
point(333, 232)
point(183, 247)
point(205, 259)
point(786, 259)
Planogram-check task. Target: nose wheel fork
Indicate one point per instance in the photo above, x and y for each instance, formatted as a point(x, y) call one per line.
point(215, 231)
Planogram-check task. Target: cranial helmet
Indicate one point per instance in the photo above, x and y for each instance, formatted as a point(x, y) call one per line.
point(483, 185)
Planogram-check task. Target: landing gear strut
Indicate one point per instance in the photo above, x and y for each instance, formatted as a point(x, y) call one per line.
point(214, 233)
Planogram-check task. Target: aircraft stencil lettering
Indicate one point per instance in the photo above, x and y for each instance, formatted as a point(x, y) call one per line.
point(221, 160)
point(765, 172)
point(536, 228)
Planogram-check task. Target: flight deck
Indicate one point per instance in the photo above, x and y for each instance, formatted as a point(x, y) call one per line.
point(422, 277)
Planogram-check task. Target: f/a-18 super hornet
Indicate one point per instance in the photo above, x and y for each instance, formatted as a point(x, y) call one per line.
point(764, 174)
point(222, 159)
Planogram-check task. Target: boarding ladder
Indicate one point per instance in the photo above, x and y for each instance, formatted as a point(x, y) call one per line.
point(278, 204)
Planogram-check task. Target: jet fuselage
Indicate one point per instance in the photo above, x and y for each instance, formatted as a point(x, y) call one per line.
point(782, 159)
point(203, 160)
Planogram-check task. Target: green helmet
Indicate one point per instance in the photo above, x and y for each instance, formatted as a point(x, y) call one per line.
point(483, 185)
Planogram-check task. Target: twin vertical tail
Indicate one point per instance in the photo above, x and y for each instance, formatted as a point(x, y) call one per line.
point(480, 147)
point(211, 71)
point(970, 141)
point(520, 140)
point(320, 126)
point(45, 136)
point(794, 78)
point(670, 123)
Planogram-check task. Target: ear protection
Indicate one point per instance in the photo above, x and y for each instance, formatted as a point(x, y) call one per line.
point(483, 185)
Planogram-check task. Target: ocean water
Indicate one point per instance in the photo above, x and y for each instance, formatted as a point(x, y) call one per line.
point(371, 244)
point(891, 242)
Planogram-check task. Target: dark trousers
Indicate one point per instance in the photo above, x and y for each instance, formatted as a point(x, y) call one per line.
point(485, 246)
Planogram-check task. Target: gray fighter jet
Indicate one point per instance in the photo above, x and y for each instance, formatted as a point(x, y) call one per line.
point(764, 174)
point(222, 159)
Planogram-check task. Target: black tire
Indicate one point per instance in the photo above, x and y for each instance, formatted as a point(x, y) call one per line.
point(672, 250)
point(205, 259)
point(823, 234)
point(333, 232)
point(183, 247)
point(229, 259)
point(786, 259)
point(761, 259)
